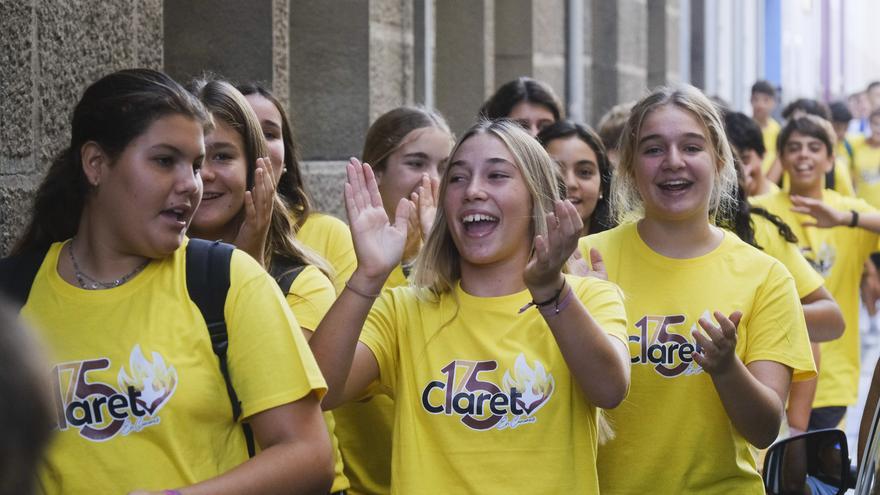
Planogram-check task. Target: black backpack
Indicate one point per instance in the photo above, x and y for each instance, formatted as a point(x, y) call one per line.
point(207, 283)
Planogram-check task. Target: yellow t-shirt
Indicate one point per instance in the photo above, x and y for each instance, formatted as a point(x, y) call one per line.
point(141, 400)
point(330, 237)
point(673, 434)
point(364, 431)
point(770, 133)
point(310, 297)
point(866, 164)
point(838, 254)
point(484, 401)
point(767, 235)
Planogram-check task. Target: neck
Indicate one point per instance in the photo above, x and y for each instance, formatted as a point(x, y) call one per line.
point(814, 191)
point(226, 233)
point(496, 279)
point(762, 120)
point(679, 239)
point(99, 254)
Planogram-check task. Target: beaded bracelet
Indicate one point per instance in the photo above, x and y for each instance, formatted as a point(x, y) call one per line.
point(547, 312)
point(541, 304)
point(172, 492)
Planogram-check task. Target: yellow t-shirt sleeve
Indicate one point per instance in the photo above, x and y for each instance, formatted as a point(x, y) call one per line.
point(270, 363)
point(776, 330)
point(604, 302)
point(380, 336)
point(310, 297)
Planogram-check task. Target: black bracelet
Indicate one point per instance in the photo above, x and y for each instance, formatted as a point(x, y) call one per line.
point(554, 299)
point(855, 219)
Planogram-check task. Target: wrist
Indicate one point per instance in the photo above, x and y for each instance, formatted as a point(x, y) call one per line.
point(852, 218)
point(366, 282)
point(546, 290)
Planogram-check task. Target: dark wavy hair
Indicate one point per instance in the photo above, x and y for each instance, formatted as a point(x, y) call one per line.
point(521, 89)
point(600, 219)
point(112, 112)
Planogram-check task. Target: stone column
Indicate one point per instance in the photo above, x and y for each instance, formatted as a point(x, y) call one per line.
point(350, 61)
point(465, 63)
point(52, 50)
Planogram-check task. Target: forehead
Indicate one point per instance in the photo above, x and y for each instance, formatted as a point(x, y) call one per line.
point(480, 148)
point(801, 138)
point(223, 133)
point(265, 109)
point(430, 140)
point(670, 120)
point(571, 145)
point(180, 131)
point(527, 109)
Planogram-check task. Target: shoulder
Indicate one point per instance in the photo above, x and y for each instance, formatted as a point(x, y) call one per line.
point(311, 280)
point(324, 223)
point(608, 237)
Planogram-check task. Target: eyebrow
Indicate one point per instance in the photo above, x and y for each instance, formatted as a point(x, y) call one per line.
point(270, 123)
point(692, 135)
point(174, 150)
point(495, 160)
point(417, 154)
point(222, 144)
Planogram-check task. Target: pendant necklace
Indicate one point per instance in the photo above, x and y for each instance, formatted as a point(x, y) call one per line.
point(90, 283)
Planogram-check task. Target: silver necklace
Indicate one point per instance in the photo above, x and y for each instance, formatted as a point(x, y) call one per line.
point(90, 283)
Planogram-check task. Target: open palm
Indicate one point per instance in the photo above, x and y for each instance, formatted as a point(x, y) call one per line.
point(378, 244)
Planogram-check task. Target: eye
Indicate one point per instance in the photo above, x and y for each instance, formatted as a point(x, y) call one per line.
point(652, 150)
point(221, 156)
point(586, 172)
point(693, 148)
point(524, 124)
point(455, 178)
point(498, 175)
point(197, 164)
point(164, 160)
point(415, 163)
point(270, 136)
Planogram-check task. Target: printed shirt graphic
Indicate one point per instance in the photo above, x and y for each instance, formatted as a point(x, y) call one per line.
point(673, 435)
point(140, 401)
point(484, 401)
point(838, 254)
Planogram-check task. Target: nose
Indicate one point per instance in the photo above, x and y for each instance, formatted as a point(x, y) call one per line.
point(571, 183)
point(673, 158)
point(188, 180)
point(475, 189)
point(434, 172)
point(207, 171)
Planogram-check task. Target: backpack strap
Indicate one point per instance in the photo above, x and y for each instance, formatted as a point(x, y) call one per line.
point(207, 282)
point(285, 271)
point(17, 274)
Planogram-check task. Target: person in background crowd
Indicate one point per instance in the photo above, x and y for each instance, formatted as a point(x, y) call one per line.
point(530, 103)
point(583, 163)
point(712, 367)
point(408, 148)
point(468, 325)
point(747, 139)
point(231, 173)
point(763, 102)
point(326, 235)
point(26, 410)
point(144, 403)
point(611, 126)
point(840, 119)
point(806, 151)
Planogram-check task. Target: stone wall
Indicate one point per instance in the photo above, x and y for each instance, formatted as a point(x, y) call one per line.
point(338, 64)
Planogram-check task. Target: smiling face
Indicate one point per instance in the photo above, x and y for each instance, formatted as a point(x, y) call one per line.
point(271, 124)
point(751, 162)
point(806, 159)
point(579, 167)
point(147, 196)
point(422, 151)
point(487, 204)
point(531, 117)
point(225, 177)
point(674, 167)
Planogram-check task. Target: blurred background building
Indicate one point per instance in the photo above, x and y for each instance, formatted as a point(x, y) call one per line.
point(339, 64)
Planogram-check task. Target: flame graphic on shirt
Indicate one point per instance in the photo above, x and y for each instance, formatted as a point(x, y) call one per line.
point(535, 384)
point(156, 381)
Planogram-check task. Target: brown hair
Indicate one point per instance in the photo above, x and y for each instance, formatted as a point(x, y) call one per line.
point(112, 112)
point(521, 89)
point(386, 134)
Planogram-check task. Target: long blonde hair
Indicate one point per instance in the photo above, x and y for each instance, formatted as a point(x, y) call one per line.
point(437, 267)
point(626, 202)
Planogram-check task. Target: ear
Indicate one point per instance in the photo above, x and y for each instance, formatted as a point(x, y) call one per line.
point(94, 161)
point(378, 175)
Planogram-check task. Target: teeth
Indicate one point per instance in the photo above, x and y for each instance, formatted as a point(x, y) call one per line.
point(210, 195)
point(478, 218)
point(676, 183)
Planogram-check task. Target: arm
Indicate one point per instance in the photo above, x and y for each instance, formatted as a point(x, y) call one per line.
point(800, 400)
point(588, 351)
point(295, 456)
point(824, 319)
point(827, 217)
point(868, 413)
point(753, 395)
point(349, 366)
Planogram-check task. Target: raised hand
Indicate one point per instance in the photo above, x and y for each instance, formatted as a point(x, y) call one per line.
point(426, 198)
point(551, 252)
point(258, 204)
point(718, 352)
point(378, 244)
point(825, 216)
point(577, 265)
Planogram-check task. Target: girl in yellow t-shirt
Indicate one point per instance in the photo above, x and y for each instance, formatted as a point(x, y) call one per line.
point(584, 165)
point(716, 330)
point(324, 234)
point(408, 148)
point(255, 218)
point(142, 405)
point(490, 394)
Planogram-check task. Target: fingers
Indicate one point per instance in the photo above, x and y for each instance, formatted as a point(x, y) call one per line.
point(596, 261)
point(371, 185)
point(356, 183)
point(250, 211)
point(402, 215)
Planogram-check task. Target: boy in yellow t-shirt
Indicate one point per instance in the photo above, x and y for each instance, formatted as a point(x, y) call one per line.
point(866, 163)
point(763, 102)
point(837, 254)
